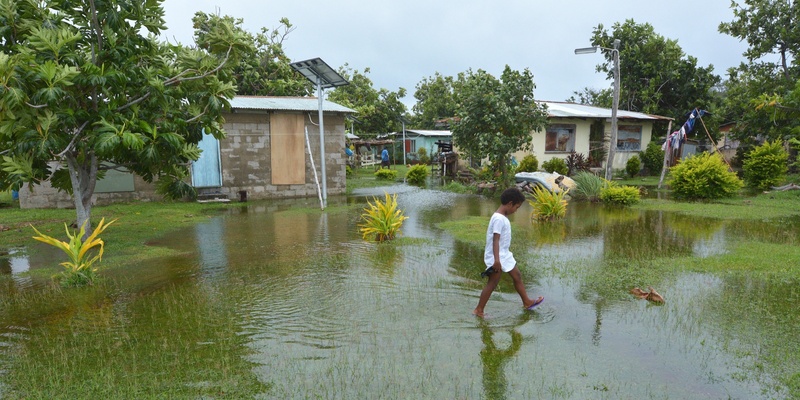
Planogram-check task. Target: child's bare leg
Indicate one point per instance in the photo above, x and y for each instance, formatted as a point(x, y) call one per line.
point(519, 286)
point(494, 279)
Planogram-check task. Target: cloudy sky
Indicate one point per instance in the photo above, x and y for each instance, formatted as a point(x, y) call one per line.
point(402, 42)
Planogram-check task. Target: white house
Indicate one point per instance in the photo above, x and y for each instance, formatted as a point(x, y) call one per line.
point(581, 128)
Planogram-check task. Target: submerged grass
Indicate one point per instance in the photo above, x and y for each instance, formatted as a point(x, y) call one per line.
point(763, 206)
point(181, 344)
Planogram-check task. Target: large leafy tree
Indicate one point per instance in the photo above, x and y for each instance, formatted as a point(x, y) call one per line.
point(496, 117)
point(759, 93)
point(87, 85)
point(264, 69)
point(769, 27)
point(656, 76)
point(435, 101)
point(377, 110)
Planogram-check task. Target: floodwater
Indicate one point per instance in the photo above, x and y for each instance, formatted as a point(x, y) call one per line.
point(282, 303)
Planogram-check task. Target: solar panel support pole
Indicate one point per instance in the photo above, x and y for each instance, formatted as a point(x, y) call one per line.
point(322, 143)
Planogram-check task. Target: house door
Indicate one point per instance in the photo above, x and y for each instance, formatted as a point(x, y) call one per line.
point(207, 171)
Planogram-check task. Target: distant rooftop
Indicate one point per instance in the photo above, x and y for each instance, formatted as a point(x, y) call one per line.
point(572, 110)
point(430, 133)
point(286, 103)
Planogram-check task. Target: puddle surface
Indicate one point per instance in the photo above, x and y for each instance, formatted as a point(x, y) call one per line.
point(295, 305)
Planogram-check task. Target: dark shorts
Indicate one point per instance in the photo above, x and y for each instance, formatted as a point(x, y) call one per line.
point(385, 164)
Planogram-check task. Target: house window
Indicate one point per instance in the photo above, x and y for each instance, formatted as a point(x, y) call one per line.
point(560, 138)
point(629, 138)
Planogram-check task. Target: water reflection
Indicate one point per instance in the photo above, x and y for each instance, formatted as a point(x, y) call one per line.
point(14, 262)
point(494, 358)
point(209, 241)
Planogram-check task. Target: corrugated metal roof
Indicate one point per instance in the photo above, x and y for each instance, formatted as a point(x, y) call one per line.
point(572, 110)
point(430, 133)
point(285, 103)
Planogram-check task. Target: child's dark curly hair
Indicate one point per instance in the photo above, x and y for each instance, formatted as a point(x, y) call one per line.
point(512, 195)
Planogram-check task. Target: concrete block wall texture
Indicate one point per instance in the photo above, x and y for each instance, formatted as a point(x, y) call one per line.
point(245, 161)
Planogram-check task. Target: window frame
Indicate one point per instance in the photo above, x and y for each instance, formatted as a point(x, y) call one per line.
point(569, 144)
point(629, 135)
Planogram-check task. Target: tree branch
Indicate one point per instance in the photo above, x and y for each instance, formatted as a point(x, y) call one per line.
point(178, 79)
point(72, 142)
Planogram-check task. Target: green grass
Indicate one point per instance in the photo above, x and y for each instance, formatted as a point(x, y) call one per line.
point(7, 200)
point(762, 206)
point(365, 178)
point(137, 223)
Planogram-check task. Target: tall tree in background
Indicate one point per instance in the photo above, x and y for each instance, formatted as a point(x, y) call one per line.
point(264, 70)
point(593, 97)
point(435, 101)
point(377, 111)
point(86, 85)
point(496, 117)
point(656, 76)
point(769, 27)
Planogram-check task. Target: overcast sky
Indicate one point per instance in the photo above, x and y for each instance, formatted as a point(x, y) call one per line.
point(402, 42)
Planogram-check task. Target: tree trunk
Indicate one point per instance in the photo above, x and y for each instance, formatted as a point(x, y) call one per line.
point(83, 174)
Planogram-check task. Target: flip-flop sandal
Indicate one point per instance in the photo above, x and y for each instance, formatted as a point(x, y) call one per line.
point(535, 303)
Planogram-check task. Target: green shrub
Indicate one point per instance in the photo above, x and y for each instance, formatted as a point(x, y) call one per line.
point(703, 177)
point(348, 171)
point(386, 174)
point(547, 205)
point(619, 195)
point(417, 174)
point(529, 163)
point(633, 166)
point(766, 166)
point(423, 156)
point(482, 174)
point(587, 186)
point(456, 187)
point(556, 165)
point(653, 158)
point(795, 165)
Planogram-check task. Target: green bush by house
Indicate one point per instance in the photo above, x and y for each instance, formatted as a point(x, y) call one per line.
point(633, 166)
point(417, 174)
point(386, 174)
point(556, 165)
point(766, 166)
point(653, 158)
point(529, 163)
point(703, 176)
point(619, 195)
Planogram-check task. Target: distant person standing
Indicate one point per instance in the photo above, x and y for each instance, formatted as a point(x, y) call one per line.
point(385, 158)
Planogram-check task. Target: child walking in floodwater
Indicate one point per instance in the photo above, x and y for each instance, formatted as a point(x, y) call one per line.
point(497, 255)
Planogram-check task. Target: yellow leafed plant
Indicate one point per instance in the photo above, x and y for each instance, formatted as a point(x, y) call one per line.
point(382, 220)
point(78, 270)
point(547, 205)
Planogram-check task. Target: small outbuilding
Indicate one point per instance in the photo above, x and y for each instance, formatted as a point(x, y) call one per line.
point(264, 155)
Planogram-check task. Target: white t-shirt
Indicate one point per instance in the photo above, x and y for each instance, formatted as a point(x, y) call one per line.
point(499, 224)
